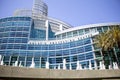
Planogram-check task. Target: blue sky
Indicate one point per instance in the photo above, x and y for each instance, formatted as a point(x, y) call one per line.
point(74, 12)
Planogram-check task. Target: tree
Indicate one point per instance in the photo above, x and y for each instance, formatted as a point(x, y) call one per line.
point(115, 38)
point(102, 41)
point(109, 41)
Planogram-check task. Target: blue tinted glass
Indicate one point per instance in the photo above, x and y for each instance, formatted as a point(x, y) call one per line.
point(73, 51)
point(22, 53)
point(51, 53)
point(52, 60)
point(81, 57)
point(17, 46)
point(44, 54)
point(59, 53)
point(25, 29)
point(18, 40)
point(73, 58)
point(1, 29)
point(58, 46)
point(24, 40)
point(72, 44)
point(37, 47)
point(80, 49)
point(74, 65)
point(79, 43)
point(65, 52)
point(67, 59)
point(87, 41)
point(75, 33)
point(9, 46)
point(22, 59)
point(89, 55)
point(13, 28)
point(51, 47)
point(37, 54)
point(23, 46)
point(4, 40)
point(30, 47)
point(88, 48)
point(59, 60)
point(43, 62)
point(27, 24)
point(66, 45)
point(11, 40)
point(44, 47)
point(3, 46)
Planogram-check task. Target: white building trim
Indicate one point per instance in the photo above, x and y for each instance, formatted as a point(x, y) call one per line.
point(87, 26)
point(37, 42)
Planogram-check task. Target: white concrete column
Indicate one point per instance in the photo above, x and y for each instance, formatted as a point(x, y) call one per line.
point(64, 64)
point(32, 64)
point(46, 25)
point(61, 27)
point(47, 65)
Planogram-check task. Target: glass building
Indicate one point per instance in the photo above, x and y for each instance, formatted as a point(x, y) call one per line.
point(30, 35)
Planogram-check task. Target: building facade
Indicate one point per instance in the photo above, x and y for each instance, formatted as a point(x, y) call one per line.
point(35, 37)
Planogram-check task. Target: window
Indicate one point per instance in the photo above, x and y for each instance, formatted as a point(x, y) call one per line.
point(11, 40)
point(44, 53)
point(31, 47)
point(79, 43)
point(81, 32)
point(80, 49)
point(69, 34)
point(87, 31)
point(88, 48)
point(18, 40)
point(26, 23)
point(81, 57)
point(59, 60)
point(67, 58)
point(87, 41)
point(9, 46)
point(99, 29)
point(59, 53)
point(51, 53)
point(72, 44)
point(52, 47)
point(75, 33)
point(44, 47)
point(73, 58)
point(73, 51)
point(58, 46)
point(17, 46)
point(65, 52)
point(65, 45)
point(89, 55)
point(52, 60)
point(105, 28)
point(63, 35)
point(24, 40)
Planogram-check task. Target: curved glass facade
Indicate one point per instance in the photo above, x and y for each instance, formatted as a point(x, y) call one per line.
point(55, 53)
point(27, 40)
point(19, 41)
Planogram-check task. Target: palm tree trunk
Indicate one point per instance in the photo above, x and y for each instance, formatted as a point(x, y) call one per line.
point(116, 56)
point(101, 52)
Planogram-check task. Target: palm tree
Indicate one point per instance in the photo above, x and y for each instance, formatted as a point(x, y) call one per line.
point(102, 41)
point(108, 41)
point(114, 33)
